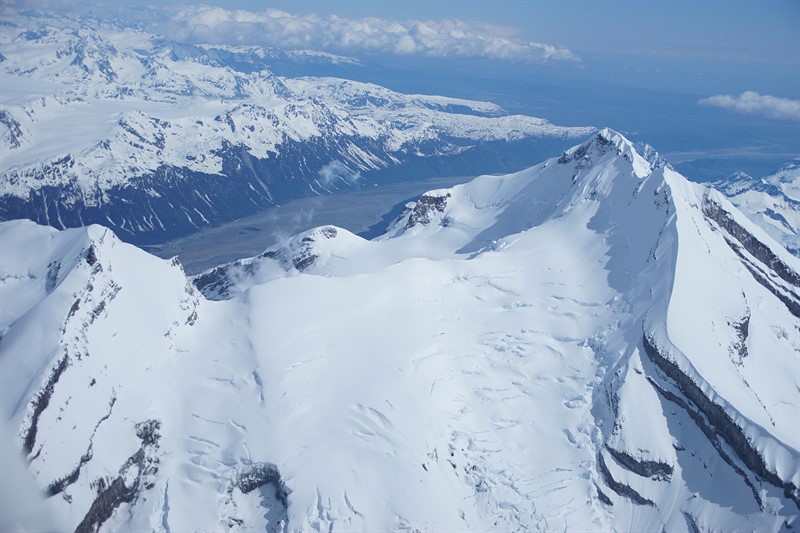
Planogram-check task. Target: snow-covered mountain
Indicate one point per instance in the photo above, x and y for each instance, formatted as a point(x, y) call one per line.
point(772, 202)
point(594, 343)
point(152, 138)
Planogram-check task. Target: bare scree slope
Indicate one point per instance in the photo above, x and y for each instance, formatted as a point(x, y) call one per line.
point(593, 343)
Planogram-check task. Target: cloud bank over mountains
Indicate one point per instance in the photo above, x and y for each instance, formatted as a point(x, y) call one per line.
point(752, 103)
point(272, 27)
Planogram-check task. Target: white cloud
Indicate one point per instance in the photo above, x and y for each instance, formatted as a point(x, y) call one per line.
point(336, 170)
point(441, 38)
point(756, 104)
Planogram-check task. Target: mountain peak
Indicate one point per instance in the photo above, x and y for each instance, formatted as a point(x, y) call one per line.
point(607, 141)
point(306, 252)
point(576, 297)
point(613, 136)
point(771, 201)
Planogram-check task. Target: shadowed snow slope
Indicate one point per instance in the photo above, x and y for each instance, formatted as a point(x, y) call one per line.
point(591, 343)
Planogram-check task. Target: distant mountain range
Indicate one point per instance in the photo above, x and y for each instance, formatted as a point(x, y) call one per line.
point(593, 343)
point(772, 202)
point(109, 124)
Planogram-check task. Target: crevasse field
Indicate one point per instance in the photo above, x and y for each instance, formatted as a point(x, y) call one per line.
point(520, 352)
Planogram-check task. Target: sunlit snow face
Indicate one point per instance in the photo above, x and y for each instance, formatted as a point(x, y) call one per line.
point(503, 362)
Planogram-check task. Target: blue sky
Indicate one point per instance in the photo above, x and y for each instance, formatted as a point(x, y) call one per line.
point(712, 83)
point(698, 46)
point(743, 30)
point(693, 46)
point(720, 29)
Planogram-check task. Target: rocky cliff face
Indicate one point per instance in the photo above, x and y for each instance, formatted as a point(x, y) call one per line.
point(590, 343)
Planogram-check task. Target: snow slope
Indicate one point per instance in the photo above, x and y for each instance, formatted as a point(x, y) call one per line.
point(106, 123)
point(772, 202)
point(593, 343)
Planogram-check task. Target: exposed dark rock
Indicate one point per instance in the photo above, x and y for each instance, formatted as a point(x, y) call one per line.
point(216, 283)
point(263, 477)
point(148, 432)
point(691, 523)
point(620, 488)
point(757, 249)
point(578, 154)
point(581, 154)
point(42, 400)
point(101, 305)
point(144, 462)
point(710, 434)
point(651, 469)
point(14, 134)
point(328, 232)
point(91, 255)
point(425, 207)
point(602, 496)
point(789, 299)
point(304, 260)
point(74, 309)
point(720, 421)
point(259, 474)
point(742, 328)
point(59, 485)
point(53, 270)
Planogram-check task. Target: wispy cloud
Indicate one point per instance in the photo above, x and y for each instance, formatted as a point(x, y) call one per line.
point(336, 170)
point(441, 38)
point(756, 104)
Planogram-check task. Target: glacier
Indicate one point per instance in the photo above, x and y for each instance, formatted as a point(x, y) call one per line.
point(593, 343)
point(105, 123)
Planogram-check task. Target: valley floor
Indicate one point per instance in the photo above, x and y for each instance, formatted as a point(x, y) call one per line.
point(366, 211)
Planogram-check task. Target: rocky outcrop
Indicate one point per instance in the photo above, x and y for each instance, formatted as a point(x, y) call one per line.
point(767, 269)
point(756, 248)
point(266, 478)
point(650, 469)
point(257, 475)
point(14, 135)
point(298, 254)
point(426, 208)
point(719, 422)
point(132, 479)
point(620, 488)
point(41, 401)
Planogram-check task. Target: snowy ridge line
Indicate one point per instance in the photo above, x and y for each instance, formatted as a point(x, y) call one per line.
point(788, 278)
point(708, 430)
point(725, 426)
point(573, 345)
point(772, 202)
point(152, 122)
point(713, 209)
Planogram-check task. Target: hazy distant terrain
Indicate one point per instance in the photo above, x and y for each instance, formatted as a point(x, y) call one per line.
point(399, 266)
point(366, 211)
